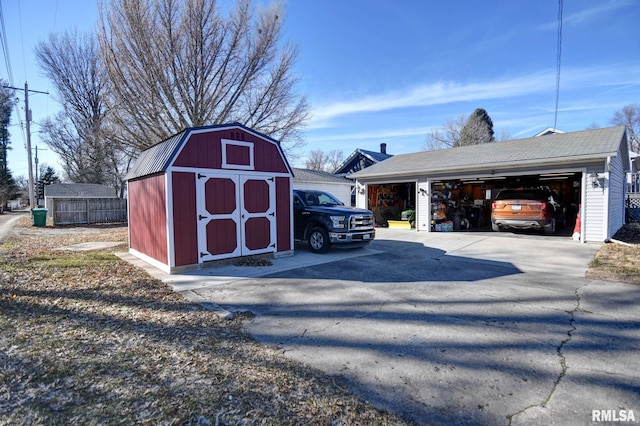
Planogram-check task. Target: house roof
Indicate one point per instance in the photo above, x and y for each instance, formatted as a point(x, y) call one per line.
point(158, 157)
point(373, 156)
point(79, 190)
point(317, 176)
point(549, 131)
point(560, 148)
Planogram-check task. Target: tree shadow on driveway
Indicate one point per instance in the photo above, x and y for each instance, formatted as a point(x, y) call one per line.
point(444, 339)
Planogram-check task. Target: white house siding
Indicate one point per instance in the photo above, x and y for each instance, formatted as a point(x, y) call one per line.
point(361, 195)
point(617, 176)
point(340, 191)
point(423, 215)
point(594, 208)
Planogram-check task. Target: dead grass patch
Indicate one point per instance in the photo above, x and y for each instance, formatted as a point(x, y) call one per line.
point(616, 262)
point(88, 338)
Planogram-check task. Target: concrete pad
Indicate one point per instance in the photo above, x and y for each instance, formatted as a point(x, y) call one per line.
point(450, 328)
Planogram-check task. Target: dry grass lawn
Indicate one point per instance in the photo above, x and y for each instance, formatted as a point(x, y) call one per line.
point(86, 338)
point(616, 262)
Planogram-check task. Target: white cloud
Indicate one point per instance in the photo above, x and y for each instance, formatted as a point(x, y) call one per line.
point(586, 15)
point(440, 93)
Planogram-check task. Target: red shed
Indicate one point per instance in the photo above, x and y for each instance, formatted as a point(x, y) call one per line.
point(210, 193)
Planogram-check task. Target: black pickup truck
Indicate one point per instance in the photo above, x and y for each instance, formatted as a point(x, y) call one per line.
point(324, 221)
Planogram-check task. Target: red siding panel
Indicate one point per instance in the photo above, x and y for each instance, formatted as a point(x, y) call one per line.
point(220, 196)
point(257, 232)
point(185, 227)
point(201, 150)
point(283, 213)
point(147, 217)
point(204, 150)
point(237, 154)
point(256, 196)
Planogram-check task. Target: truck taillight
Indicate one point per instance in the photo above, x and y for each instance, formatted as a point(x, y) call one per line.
point(543, 206)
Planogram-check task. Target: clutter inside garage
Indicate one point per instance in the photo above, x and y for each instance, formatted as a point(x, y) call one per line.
point(465, 204)
point(393, 205)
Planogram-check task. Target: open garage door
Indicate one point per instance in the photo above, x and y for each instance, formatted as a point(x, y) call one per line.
point(465, 204)
point(393, 204)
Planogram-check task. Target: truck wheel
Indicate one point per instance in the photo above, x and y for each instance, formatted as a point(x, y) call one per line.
point(319, 240)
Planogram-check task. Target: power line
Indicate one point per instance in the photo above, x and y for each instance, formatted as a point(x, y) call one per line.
point(7, 61)
point(558, 62)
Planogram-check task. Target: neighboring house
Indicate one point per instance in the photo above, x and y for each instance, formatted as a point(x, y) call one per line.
point(588, 168)
point(361, 159)
point(549, 131)
point(210, 193)
point(315, 179)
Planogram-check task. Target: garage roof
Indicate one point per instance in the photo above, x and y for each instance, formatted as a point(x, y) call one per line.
point(562, 148)
point(79, 190)
point(317, 176)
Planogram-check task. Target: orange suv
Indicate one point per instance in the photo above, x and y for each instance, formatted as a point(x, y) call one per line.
point(527, 208)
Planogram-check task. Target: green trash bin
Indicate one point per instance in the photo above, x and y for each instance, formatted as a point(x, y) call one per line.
point(39, 217)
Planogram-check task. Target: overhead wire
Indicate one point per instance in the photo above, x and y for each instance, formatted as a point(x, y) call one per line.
point(558, 62)
point(7, 60)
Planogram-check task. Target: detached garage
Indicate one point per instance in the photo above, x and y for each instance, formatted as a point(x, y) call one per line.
point(210, 193)
point(586, 168)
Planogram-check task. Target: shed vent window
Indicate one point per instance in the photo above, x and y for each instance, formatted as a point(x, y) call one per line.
point(237, 155)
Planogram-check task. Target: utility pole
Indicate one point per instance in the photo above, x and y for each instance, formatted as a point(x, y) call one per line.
point(28, 117)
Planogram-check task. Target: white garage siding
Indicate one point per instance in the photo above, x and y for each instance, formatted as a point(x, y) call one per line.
point(423, 215)
point(361, 196)
point(594, 209)
point(341, 192)
point(617, 176)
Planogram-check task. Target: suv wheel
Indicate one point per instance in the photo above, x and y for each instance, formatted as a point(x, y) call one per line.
point(495, 227)
point(550, 228)
point(319, 240)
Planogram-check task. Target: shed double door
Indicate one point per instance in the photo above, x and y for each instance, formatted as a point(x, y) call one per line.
point(236, 215)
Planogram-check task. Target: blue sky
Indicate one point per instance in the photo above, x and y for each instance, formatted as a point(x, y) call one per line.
point(378, 71)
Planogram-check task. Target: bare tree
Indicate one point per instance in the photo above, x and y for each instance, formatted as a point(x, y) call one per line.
point(461, 131)
point(176, 64)
point(81, 135)
point(324, 161)
point(316, 160)
point(334, 160)
point(629, 116)
point(447, 136)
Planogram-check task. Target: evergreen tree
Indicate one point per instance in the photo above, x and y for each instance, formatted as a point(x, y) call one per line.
point(8, 188)
point(7, 100)
point(478, 129)
point(48, 177)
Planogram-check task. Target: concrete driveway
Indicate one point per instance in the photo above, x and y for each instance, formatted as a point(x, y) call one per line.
point(449, 328)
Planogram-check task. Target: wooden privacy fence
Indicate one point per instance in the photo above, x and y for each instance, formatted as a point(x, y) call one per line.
point(71, 211)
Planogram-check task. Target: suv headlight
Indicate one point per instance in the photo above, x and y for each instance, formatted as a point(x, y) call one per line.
point(338, 221)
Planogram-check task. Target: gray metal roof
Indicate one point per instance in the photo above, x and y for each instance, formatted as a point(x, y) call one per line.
point(306, 175)
point(558, 148)
point(79, 190)
point(158, 157)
